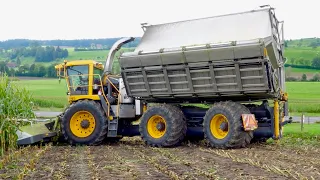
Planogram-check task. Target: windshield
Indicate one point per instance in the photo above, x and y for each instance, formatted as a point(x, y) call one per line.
point(78, 78)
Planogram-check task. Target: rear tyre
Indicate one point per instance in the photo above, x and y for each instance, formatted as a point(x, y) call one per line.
point(223, 126)
point(84, 123)
point(163, 126)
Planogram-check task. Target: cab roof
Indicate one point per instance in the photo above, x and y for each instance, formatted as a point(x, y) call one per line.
point(79, 62)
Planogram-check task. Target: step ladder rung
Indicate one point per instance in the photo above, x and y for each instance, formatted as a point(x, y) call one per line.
point(113, 128)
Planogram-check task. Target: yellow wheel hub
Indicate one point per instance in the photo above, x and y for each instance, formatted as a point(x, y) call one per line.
point(82, 124)
point(219, 126)
point(156, 126)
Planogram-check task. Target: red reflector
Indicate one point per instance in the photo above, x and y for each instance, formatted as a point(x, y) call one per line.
point(249, 122)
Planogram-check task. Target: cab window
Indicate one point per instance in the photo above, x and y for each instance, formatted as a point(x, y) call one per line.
point(78, 79)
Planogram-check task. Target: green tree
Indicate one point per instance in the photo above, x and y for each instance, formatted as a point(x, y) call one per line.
point(3, 67)
point(316, 77)
point(304, 77)
point(300, 61)
point(313, 44)
point(34, 44)
point(40, 54)
point(18, 61)
point(23, 69)
point(306, 62)
point(316, 62)
point(51, 72)
point(32, 67)
point(12, 72)
point(42, 71)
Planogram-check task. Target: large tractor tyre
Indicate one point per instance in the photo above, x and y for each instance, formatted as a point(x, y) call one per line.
point(223, 127)
point(163, 126)
point(84, 123)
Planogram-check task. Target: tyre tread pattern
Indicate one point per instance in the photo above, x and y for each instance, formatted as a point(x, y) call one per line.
point(99, 111)
point(239, 138)
point(178, 126)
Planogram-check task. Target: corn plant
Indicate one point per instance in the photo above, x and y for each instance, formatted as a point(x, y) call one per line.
point(15, 103)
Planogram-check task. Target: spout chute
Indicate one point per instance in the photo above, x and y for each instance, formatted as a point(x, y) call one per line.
point(116, 46)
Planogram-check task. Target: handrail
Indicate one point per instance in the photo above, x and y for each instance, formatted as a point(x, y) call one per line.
point(119, 93)
point(107, 78)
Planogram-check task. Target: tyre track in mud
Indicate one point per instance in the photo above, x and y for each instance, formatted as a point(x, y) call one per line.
point(63, 162)
point(173, 170)
point(308, 153)
point(117, 162)
point(203, 165)
point(224, 167)
point(53, 164)
point(296, 166)
point(106, 163)
point(13, 167)
point(163, 160)
point(132, 159)
point(79, 163)
point(144, 169)
point(268, 161)
point(24, 163)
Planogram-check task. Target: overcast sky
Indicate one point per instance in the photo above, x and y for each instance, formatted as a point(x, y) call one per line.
point(79, 19)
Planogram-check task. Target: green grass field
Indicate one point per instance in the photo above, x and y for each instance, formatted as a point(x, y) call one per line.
point(303, 70)
point(301, 52)
point(304, 97)
point(47, 92)
point(95, 55)
point(312, 129)
point(293, 136)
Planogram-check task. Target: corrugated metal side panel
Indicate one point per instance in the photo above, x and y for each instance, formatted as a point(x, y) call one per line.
point(204, 79)
point(236, 27)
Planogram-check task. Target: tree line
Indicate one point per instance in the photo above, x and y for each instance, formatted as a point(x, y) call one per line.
point(304, 63)
point(304, 78)
point(79, 43)
point(34, 70)
point(41, 54)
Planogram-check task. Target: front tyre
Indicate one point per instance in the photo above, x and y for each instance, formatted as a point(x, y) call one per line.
point(163, 126)
point(84, 122)
point(223, 126)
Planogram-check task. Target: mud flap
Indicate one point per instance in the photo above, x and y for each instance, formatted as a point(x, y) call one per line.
point(249, 122)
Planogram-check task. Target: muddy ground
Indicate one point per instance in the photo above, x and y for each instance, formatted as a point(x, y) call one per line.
point(131, 159)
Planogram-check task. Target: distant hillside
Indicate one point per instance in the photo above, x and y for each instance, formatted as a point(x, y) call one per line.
point(303, 57)
point(79, 43)
point(303, 42)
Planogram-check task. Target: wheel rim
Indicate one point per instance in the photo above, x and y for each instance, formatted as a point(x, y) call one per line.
point(82, 124)
point(156, 126)
point(219, 126)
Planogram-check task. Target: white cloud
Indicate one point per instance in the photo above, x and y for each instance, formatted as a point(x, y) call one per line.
point(78, 19)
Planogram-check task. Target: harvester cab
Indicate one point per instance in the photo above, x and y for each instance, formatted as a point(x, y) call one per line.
point(97, 99)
